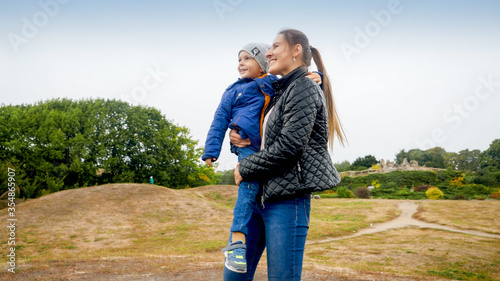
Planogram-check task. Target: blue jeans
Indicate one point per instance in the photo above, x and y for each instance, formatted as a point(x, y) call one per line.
point(281, 227)
point(247, 193)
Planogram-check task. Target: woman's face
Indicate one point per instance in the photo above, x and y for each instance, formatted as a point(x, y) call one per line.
point(280, 57)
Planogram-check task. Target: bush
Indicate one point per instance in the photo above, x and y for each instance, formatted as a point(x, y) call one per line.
point(360, 168)
point(393, 185)
point(326, 194)
point(376, 184)
point(227, 177)
point(403, 193)
point(470, 190)
point(343, 192)
point(416, 196)
point(495, 195)
point(362, 192)
point(386, 190)
point(329, 195)
point(459, 197)
point(421, 188)
point(434, 193)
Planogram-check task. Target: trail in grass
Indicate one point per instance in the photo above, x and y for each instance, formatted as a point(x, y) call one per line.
point(408, 209)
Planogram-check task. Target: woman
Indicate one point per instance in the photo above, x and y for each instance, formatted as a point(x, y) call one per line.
point(294, 160)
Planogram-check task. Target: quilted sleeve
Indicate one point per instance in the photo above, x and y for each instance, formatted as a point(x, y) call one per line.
point(300, 110)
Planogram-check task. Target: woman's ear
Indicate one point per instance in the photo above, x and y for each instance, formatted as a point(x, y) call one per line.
point(297, 50)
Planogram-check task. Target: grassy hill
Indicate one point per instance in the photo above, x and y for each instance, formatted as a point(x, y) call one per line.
point(121, 219)
point(139, 229)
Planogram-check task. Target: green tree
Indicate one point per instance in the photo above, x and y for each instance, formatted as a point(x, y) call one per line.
point(364, 162)
point(434, 157)
point(227, 177)
point(61, 143)
point(468, 160)
point(451, 160)
point(343, 166)
point(490, 158)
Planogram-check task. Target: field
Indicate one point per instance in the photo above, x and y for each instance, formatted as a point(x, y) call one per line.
point(147, 232)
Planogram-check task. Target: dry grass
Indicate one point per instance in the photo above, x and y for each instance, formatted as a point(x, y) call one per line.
point(341, 217)
point(100, 230)
point(414, 252)
point(477, 215)
point(119, 220)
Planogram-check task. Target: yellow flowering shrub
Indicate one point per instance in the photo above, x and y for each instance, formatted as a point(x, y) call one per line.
point(434, 193)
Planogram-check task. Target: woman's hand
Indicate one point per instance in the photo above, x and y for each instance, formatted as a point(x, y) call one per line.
point(315, 77)
point(237, 177)
point(237, 140)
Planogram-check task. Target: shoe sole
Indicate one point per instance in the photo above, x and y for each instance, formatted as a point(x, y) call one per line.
point(228, 266)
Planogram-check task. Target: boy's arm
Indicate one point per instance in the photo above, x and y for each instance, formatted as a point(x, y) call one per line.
point(218, 129)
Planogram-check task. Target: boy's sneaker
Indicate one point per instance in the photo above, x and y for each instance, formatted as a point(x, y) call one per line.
point(236, 257)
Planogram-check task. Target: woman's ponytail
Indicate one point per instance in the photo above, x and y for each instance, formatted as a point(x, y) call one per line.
point(334, 125)
point(293, 37)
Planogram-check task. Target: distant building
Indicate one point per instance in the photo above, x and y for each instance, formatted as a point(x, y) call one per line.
point(388, 166)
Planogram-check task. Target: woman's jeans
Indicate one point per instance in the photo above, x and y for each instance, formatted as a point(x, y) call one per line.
point(247, 192)
point(281, 227)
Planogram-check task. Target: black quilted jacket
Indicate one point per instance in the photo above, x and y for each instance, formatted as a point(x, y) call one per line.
point(295, 160)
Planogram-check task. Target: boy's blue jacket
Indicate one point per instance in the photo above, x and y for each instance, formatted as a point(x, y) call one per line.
point(240, 108)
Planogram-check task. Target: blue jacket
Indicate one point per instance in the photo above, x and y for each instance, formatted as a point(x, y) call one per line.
point(241, 107)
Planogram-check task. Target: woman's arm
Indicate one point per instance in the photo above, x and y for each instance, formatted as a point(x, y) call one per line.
point(298, 120)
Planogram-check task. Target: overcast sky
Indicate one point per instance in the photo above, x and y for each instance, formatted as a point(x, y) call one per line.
point(406, 74)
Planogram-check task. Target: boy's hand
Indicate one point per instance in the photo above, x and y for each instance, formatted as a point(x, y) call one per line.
point(315, 77)
point(237, 140)
point(209, 161)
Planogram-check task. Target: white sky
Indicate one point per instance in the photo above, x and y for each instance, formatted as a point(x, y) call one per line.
point(411, 84)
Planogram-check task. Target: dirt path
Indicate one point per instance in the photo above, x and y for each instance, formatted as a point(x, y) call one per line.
point(408, 209)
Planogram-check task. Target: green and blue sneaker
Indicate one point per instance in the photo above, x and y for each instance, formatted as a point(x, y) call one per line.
point(235, 255)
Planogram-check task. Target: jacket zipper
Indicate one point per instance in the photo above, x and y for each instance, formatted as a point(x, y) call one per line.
point(267, 100)
point(299, 169)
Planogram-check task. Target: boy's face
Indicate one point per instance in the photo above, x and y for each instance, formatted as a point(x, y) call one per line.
point(248, 66)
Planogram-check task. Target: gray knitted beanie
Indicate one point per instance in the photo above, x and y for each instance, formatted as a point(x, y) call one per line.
point(258, 52)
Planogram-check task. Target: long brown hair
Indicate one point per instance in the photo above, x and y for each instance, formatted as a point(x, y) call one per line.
point(294, 37)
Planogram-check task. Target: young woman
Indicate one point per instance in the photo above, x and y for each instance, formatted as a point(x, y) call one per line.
point(293, 161)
